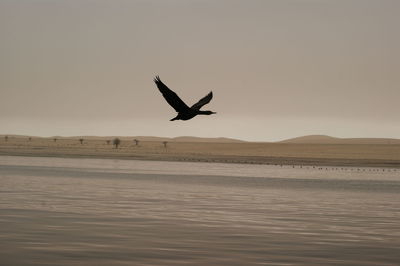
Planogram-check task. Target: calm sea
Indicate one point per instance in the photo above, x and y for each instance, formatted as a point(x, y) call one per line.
point(57, 211)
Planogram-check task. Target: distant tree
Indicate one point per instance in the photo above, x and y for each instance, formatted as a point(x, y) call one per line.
point(108, 142)
point(81, 141)
point(55, 139)
point(116, 142)
point(165, 144)
point(136, 142)
point(30, 138)
point(6, 138)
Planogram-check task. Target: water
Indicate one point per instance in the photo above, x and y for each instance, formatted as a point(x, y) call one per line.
point(119, 212)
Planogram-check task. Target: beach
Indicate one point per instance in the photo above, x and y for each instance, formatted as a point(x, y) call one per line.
point(369, 155)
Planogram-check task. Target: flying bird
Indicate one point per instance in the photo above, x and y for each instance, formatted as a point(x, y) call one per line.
point(184, 112)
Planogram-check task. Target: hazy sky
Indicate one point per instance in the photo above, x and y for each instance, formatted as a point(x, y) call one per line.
point(278, 69)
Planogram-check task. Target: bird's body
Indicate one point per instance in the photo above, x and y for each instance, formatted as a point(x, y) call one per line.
point(184, 112)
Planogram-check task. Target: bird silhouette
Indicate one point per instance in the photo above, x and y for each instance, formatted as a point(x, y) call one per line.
point(184, 112)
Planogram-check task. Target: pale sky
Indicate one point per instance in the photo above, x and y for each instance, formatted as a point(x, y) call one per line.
point(278, 69)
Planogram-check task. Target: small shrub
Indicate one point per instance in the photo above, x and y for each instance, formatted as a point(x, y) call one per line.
point(116, 142)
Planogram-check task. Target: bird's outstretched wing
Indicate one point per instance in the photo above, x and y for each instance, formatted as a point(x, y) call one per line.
point(171, 97)
point(203, 101)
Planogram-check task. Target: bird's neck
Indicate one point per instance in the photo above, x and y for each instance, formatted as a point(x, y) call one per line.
point(205, 112)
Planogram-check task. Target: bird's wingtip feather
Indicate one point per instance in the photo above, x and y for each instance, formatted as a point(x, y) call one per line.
point(157, 79)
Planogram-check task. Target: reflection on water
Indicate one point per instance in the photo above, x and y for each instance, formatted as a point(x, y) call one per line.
point(116, 212)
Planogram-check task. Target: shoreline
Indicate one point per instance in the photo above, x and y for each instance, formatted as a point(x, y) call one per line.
point(263, 160)
point(332, 155)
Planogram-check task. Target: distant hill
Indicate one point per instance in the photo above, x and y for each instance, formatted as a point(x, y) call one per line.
point(188, 139)
point(196, 139)
point(180, 139)
point(322, 139)
point(140, 138)
point(311, 139)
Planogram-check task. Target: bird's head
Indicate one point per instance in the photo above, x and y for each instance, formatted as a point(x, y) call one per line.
point(208, 112)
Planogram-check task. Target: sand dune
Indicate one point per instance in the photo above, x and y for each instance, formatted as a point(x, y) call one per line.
point(322, 139)
point(131, 138)
point(310, 139)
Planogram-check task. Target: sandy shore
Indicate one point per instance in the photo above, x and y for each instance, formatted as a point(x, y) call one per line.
point(379, 155)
